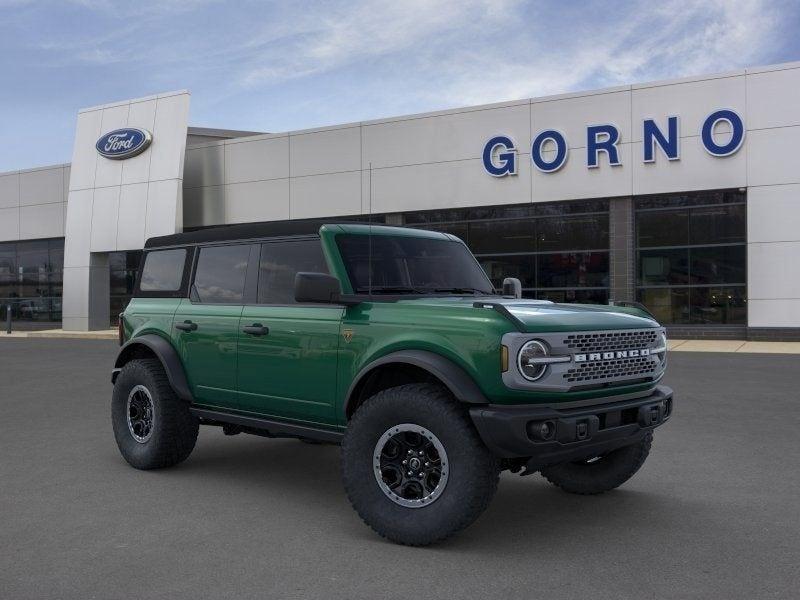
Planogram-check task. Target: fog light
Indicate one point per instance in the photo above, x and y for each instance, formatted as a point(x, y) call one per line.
point(542, 430)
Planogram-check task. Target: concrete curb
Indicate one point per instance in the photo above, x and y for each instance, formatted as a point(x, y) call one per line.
point(110, 334)
point(737, 346)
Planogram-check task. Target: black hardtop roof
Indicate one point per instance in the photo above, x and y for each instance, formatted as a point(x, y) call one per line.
point(243, 231)
point(255, 231)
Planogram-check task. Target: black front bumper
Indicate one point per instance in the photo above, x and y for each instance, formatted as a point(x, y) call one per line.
point(549, 435)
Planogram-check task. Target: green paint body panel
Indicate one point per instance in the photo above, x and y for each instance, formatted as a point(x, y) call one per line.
point(290, 372)
point(305, 366)
point(209, 354)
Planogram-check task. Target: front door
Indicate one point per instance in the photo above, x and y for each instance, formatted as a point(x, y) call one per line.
point(206, 325)
point(288, 352)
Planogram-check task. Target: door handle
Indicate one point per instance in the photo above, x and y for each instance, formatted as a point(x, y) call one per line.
point(256, 329)
point(186, 326)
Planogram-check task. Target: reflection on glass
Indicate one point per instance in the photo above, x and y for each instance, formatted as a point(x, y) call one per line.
point(163, 270)
point(221, 273)
point(280, 262)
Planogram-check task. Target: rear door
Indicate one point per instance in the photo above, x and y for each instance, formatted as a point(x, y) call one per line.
point(288, 352)
point(206, 325)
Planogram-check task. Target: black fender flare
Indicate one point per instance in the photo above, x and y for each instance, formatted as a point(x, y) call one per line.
point(165, 353)
point(458, 381)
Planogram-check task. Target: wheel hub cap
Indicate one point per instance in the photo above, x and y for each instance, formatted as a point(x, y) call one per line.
point(141, 414)
point(410, 465)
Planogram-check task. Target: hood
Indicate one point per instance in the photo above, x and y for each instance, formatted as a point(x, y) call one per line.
point(539, 316)
point(533, 316)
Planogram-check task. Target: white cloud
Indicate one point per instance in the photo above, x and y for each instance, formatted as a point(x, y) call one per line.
point(679, 39)
point(364, 31)
point(473, 52)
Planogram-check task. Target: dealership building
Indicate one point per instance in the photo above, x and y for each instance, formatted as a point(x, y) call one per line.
point(683, 195)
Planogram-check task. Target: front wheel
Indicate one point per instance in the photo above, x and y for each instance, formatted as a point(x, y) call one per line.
point(599, 474)
point(414, 467)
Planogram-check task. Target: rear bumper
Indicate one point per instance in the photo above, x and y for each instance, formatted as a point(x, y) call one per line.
point(549, 435)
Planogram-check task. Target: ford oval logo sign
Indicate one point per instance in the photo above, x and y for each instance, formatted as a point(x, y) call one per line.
point(123, 143)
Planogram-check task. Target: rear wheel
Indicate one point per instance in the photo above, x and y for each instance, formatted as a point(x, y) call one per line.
point(152, 426)
point(414, 467)
point(599, 474)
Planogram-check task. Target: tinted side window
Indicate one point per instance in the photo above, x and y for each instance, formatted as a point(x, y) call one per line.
point(220, 274)
point(280, 262)
point(163, 271)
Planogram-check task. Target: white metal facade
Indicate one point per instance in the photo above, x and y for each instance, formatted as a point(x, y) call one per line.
point(421, 162)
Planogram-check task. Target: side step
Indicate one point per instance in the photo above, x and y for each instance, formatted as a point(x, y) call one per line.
point(268, 427)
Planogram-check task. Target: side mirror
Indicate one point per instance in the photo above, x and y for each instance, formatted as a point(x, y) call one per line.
point(320, 288)
point(512, 287)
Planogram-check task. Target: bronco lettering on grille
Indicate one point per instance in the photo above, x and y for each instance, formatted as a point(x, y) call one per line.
point(612, 355)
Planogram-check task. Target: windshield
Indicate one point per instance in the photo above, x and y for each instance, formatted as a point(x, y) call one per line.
point(411, 265)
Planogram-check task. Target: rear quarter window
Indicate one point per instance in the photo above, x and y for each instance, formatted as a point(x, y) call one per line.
point(163, 271)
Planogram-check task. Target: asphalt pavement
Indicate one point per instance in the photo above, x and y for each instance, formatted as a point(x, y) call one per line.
point(712, 514)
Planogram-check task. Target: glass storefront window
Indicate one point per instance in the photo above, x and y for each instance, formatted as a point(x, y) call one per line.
point(31, 275)
point(718, 305)
point(123, 267)
point(692, 257)
point(662, 228)
point(724, 224)
point(494, 237)
point(667, 266)
point(567, 233)
point(572, 270)
point(558, 250)
point(500, 267)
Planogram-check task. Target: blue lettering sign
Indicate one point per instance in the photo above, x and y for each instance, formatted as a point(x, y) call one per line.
point(561, 151)
point(601, 138)
point(652, 135)
point(507, 158)
point(500, 152)
point(737, 137)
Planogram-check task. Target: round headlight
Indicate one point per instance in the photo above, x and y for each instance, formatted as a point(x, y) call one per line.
point(526, 360)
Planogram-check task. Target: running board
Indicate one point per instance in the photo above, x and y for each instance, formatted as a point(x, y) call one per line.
point(269, 427)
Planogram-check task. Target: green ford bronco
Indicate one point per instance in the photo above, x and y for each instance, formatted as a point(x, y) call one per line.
point(393, 343)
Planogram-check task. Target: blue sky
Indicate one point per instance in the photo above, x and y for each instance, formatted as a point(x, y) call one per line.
point(276, 66)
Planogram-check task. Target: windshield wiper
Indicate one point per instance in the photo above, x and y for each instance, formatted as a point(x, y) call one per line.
point(389, 289)
point(464, 290)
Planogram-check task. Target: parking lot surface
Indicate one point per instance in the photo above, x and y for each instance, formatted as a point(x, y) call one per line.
point(712, 514)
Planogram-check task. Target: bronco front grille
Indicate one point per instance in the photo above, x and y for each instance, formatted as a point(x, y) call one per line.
point(611, 340)
point(612, 369)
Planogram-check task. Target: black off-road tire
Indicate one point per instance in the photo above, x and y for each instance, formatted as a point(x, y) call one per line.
point(174, 429)
point(603, 474)
point(473, 471)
